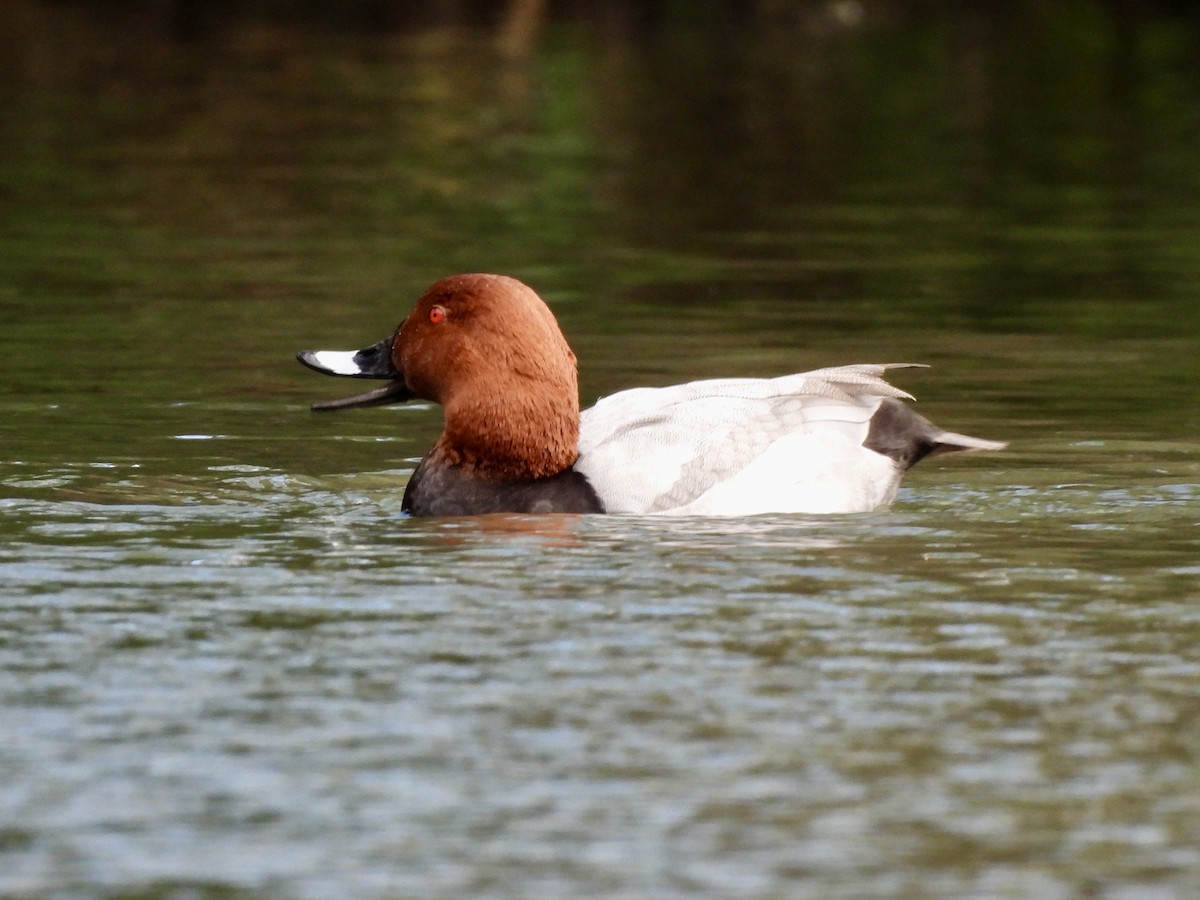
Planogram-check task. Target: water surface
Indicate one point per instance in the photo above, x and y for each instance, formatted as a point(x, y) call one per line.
point(231, 667)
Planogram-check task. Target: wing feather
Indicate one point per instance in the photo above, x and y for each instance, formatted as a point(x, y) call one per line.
point(654, 449)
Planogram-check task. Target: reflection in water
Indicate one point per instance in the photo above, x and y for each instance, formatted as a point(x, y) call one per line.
point(231, 666)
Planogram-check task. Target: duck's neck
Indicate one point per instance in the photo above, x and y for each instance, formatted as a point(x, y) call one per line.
point(511, 436)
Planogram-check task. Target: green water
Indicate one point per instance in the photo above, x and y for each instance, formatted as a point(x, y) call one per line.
point(230, 667)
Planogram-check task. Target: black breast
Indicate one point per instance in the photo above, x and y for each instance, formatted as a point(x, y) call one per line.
point(439, 490)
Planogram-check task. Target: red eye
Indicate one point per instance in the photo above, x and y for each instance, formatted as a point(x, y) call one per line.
point(437, 314)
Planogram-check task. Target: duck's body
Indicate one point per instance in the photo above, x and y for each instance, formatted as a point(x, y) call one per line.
point(833, 440)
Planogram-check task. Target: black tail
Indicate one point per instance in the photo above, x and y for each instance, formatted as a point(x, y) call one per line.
point(908, 437)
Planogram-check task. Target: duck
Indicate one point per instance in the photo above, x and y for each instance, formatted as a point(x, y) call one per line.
point(489, 350)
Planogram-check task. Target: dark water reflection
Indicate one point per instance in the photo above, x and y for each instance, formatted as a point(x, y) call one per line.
point(230, 667)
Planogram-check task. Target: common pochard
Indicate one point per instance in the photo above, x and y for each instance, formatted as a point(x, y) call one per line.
point(488, 349)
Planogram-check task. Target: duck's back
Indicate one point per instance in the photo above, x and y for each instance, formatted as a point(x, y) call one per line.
point(743, 446)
